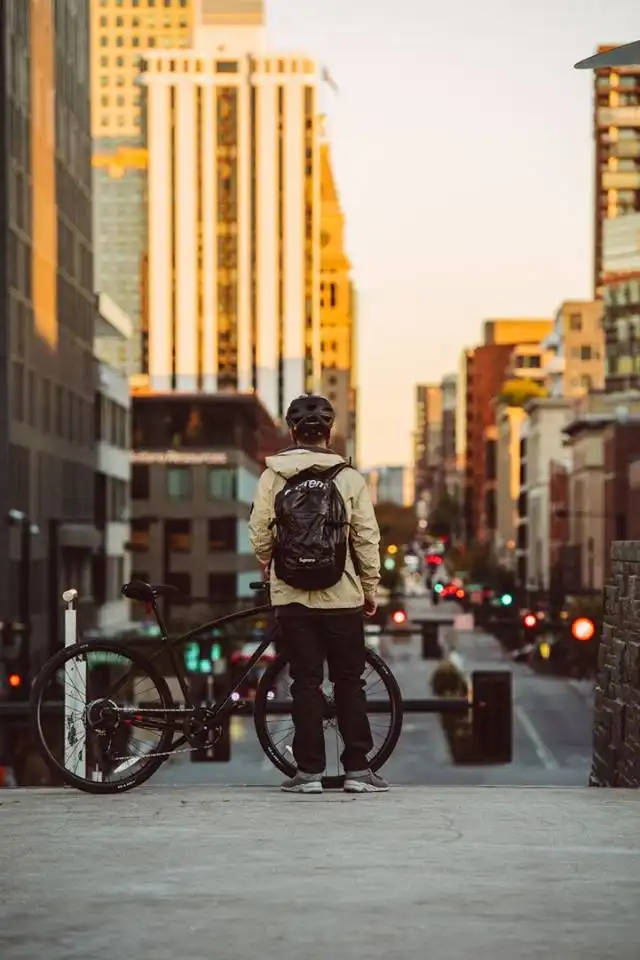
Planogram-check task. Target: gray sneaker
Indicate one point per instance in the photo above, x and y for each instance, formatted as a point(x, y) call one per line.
point(364, 781)
point(303, 783)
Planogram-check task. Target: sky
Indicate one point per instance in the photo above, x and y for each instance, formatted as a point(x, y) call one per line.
point(462, 143)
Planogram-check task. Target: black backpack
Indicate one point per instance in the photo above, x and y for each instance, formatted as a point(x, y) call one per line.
point(312, 530)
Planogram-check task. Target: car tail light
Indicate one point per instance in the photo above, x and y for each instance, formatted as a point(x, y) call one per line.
point(530, 620)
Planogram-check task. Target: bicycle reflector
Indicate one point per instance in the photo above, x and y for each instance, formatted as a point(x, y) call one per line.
point(399, 617)
point(583, 629)
point(530, 620)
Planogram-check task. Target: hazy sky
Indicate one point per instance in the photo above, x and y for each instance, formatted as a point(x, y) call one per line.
point(463, 151)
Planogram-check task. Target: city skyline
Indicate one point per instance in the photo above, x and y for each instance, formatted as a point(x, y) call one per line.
point(485, 187)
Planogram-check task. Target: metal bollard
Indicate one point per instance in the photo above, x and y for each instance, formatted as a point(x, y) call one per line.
point(75, 690)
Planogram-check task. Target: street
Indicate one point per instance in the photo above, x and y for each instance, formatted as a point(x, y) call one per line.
point(552, 728)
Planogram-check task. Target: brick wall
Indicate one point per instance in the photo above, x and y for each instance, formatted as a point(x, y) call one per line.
point(616, 740)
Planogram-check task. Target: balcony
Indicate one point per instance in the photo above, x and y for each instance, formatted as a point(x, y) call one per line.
point(621, 180)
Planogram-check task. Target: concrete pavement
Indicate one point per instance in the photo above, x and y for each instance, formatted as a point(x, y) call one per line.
point(213, 873)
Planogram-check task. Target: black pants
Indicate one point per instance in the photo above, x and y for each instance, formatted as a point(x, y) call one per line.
point(308, 640)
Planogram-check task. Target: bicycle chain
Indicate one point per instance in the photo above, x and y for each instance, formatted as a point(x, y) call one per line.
point(166, 753)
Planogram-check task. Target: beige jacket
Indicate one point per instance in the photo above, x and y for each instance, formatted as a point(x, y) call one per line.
point(352, 589)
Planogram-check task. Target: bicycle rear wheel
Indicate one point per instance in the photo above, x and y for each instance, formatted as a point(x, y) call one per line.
point(275, 733)
point(116, 717)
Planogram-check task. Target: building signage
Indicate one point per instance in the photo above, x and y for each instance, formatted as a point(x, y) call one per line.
point(181, 458)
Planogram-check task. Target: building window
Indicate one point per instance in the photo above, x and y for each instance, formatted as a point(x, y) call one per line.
point(179, 483)
point(140, 482)
point(223, 534)
point(222, 483)
point(182, 583)
point(222, 587)
point(587, 352)
point(575, 321)
point(140, 532)
point(178, 534)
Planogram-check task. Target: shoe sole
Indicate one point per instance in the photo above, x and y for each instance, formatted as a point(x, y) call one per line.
point(313, 787)
point(354, 786)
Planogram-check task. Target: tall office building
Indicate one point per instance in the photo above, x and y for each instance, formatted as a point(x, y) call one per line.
point(47, 311)
point(617, 150)
point(122, 32)
point(233, 137)
point(337, 310)
point(427, 441)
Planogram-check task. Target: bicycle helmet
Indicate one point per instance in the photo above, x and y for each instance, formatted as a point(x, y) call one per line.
point(310, 414)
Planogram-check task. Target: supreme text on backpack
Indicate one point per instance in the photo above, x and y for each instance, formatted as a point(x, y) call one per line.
point(312, 530)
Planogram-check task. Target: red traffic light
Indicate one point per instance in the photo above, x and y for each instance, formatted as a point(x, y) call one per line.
point(14, 680)
point(530, 620)
point(583, 629)
point(399, 617)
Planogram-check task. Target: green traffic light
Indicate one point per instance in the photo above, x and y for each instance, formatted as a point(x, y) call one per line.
point(506, 599)
point(389, 563)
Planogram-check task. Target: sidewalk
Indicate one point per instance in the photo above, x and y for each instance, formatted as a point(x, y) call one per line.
point(231, 874)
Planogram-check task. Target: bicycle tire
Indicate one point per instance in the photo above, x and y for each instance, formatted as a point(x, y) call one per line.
point(333, 782)
point(47, 673)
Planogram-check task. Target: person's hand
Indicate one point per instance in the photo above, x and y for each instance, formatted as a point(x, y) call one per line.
point(370, 607)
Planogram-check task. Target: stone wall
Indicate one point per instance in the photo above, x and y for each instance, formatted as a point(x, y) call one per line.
point(616, 738)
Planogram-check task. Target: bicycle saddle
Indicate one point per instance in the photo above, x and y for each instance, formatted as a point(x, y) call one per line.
point(146, 592)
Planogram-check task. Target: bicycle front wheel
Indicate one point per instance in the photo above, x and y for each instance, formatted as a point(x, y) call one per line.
point(101, 717)
point(275, 732)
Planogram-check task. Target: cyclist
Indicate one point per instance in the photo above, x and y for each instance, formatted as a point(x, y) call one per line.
point(314, 530)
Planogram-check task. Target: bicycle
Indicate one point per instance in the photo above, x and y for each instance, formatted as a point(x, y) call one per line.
point(112, 725)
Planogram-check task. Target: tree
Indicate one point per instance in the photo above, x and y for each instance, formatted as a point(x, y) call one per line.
point(517, 392)
point(397, 524)
point(444, 519)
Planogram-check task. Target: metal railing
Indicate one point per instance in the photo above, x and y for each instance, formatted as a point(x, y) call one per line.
point(489, 701)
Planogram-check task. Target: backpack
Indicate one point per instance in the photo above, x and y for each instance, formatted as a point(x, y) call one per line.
point(312, 530)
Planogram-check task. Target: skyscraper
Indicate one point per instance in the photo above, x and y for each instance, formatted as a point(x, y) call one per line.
point(233, 211)
point(337, 309)
point(122, 31)
point(47, 369)
point(616, 131)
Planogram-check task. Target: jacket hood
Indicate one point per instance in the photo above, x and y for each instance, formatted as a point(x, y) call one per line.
point(294, 460)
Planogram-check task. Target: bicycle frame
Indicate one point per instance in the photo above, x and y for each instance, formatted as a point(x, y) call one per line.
point(218, 712)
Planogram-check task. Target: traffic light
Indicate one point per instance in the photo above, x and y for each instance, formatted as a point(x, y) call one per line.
point(583, 629)
point(389, 563)
point(13, 661)
point(199, 656)
point(392, 549)
point(506, 599)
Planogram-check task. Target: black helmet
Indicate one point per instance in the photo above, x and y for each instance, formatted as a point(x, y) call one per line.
point(311, 414)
